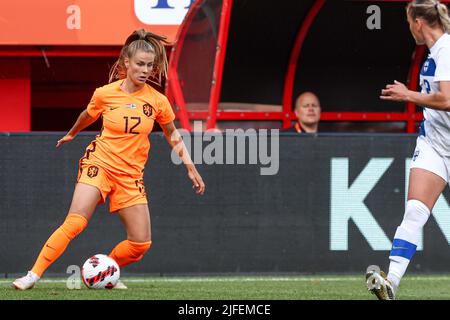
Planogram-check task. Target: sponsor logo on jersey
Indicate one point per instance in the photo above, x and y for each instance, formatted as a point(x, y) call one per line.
point(130, 106)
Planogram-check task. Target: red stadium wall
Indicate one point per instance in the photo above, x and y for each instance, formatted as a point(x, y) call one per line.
point(15, 94)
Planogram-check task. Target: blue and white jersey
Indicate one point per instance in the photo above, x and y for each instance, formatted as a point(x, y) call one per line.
point(437, 68)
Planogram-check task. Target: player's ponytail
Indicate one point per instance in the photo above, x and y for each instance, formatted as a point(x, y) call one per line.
point(432, 11)
point(443, 15)
point(147, 42)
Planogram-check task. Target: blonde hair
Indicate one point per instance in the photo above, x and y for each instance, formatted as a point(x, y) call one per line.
point(432, 11)
point(147, 42)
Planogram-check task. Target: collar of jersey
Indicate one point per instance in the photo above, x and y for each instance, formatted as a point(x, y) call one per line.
point(133, 93)
point(438, 43)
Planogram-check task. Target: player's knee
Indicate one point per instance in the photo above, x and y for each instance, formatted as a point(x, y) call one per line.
point(74, 225)
point(138, 249)
point(139, 236)
point(416, 214)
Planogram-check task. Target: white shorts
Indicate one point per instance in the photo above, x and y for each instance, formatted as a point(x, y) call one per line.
point(425, 157)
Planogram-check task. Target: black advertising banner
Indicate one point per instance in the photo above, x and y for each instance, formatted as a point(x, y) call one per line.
point(273, 204)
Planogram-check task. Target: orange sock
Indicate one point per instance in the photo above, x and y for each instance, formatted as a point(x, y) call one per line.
point(128, 252)
point(58, 242)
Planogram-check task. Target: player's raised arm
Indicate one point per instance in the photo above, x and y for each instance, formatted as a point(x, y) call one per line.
point(84, 120)
point(176, 142)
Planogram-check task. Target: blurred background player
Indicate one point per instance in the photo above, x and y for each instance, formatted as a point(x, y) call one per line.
point(307, 109)
point(430, 166)
point(113, 163)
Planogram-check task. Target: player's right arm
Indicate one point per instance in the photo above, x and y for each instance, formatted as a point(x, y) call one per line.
point(439, 100)
point(84, 120)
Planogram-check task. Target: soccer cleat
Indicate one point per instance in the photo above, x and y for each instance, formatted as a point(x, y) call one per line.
point(26, 282)
point(378, 284)
point(120, 285)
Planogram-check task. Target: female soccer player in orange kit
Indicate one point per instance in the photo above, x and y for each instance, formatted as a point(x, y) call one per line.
point(113, 163)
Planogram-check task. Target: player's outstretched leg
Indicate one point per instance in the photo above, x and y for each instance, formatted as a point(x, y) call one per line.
point(53, 248)
point(378, 284)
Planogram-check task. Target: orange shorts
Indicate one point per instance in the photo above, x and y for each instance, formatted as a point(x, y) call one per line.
point(124, 191)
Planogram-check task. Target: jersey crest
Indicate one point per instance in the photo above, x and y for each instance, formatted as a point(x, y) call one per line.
point(147, 109)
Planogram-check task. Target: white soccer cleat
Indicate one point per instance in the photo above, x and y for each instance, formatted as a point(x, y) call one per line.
point(378, 284)
point(26, 282)
point(120, 285)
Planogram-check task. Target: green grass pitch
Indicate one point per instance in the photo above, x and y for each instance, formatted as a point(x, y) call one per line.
point(330, 287)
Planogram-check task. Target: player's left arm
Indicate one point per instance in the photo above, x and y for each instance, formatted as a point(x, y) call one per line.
point(175, 140)
point(437, 100)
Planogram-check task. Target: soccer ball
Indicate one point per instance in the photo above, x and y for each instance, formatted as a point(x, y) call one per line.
point(100, 272)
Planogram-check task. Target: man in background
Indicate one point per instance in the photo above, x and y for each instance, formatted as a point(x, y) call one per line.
point(307, 109)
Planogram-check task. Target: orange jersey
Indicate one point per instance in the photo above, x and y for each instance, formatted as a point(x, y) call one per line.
point(122, 146)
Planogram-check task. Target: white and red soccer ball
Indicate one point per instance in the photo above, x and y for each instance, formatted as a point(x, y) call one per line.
point(100, 272)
